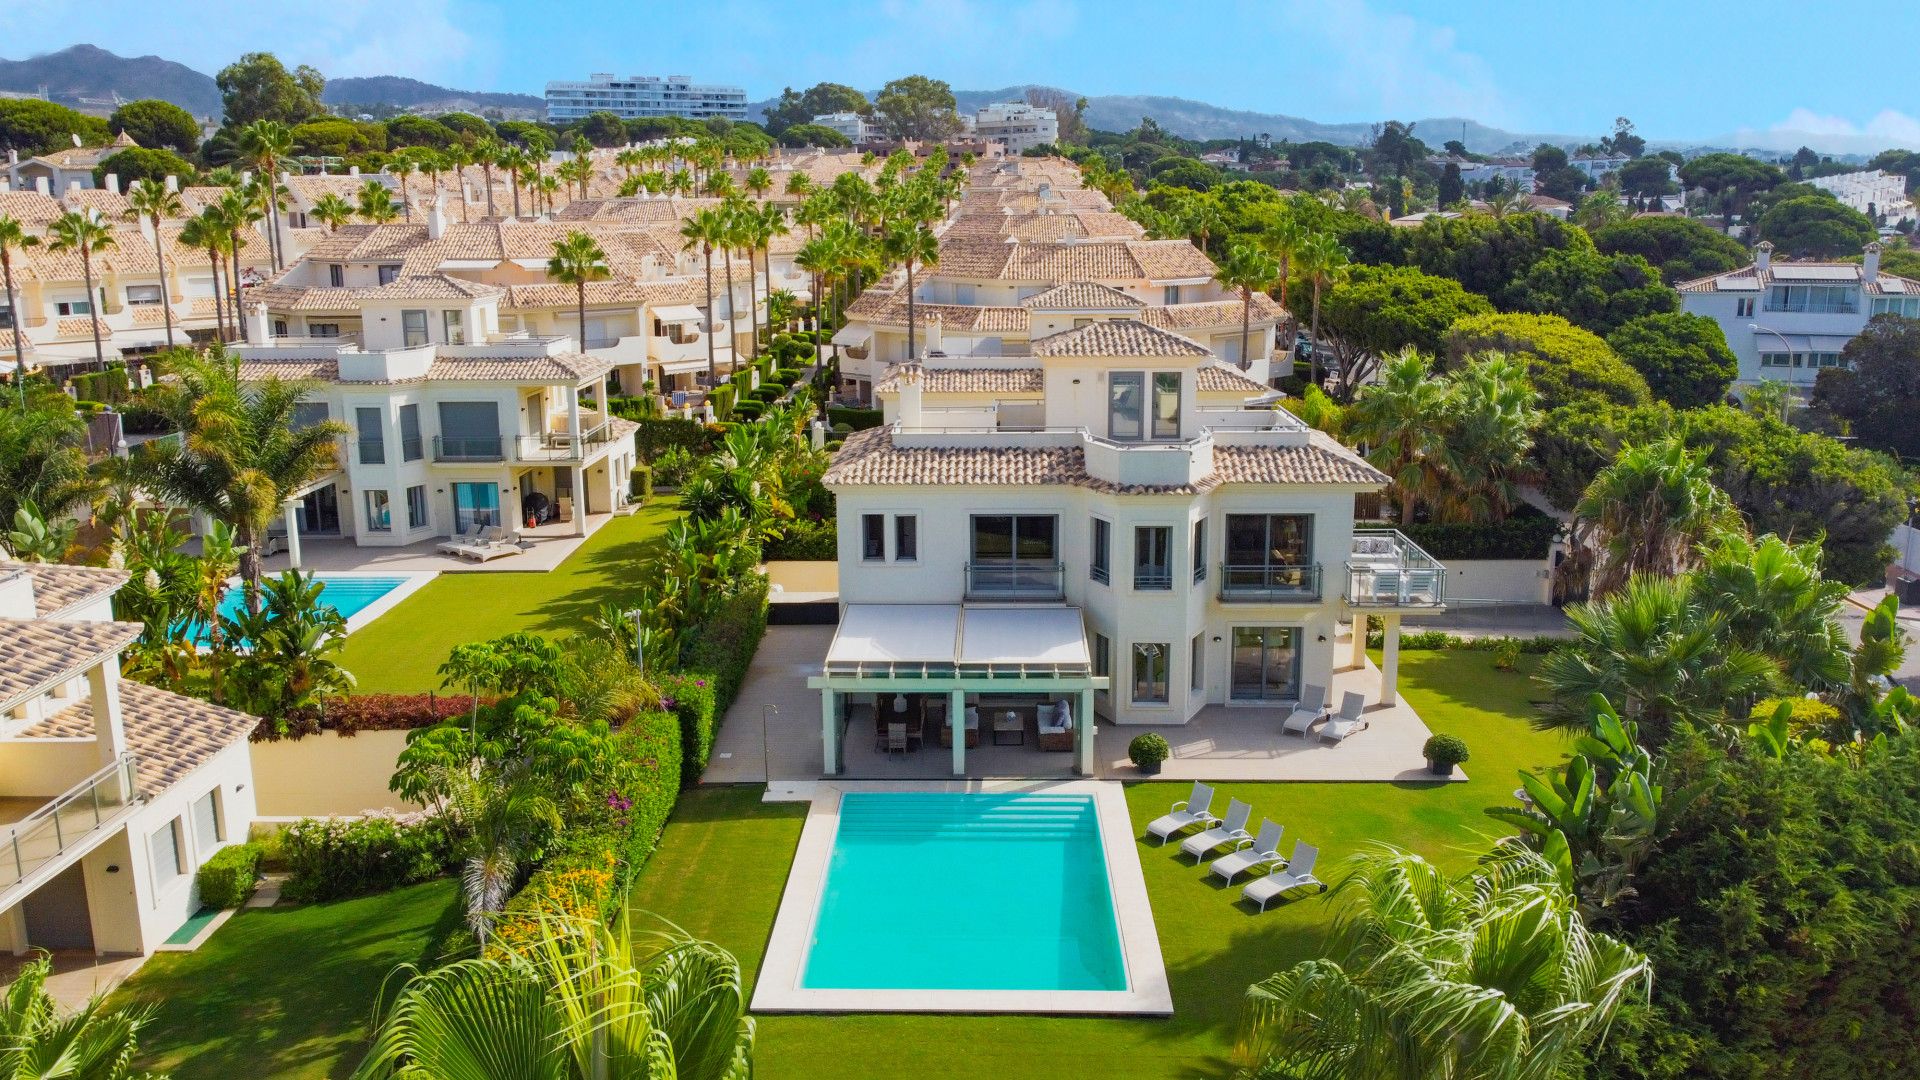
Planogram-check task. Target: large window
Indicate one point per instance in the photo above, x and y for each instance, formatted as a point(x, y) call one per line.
point(1150, 673)
point(1153, 557)
point(379, 511)
point(1269, 552)
point(373, 437)
point(413, 328)
point(873, 537)
point(1266, 663)
point(1815, 299)
point(1126, 391)
point(1100, 564)
point(417, 506)
point(163, 849)
point(208, 829)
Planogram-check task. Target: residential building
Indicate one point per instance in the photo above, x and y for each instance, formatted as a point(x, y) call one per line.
point(639, 96)
point(113, 792)
point(1882, 196)
point(1018, 125)
point(1787, 320)
point(857, 127)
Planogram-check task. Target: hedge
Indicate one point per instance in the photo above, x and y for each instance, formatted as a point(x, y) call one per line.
point(855, 419)
point(369, 712)
point(226, 879)
point(724, 645)
point(690, 697)
point(1527, 534)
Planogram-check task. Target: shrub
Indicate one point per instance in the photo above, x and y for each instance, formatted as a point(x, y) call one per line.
point(331, 858)
point(1448, 750)
point(1526, 534)
point(855, 419)
point(690, 698)
point(724, 645)
point(226, 879)
point(1148, 748)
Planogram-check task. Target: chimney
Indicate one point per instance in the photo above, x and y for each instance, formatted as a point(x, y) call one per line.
point(1870, 266)
point(173, 183)
point(1763, 255)
point(437, 217)
point(112, 182)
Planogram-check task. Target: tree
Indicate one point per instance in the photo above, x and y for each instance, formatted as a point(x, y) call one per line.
point(1683, 248)
point(1379, 310)
point(157, 125)
point(32, 126)
point(1816, 227)
point(241, 454)
point(151, 200)
point(14, 237)
point(40, 1038)
point(577, 260)
point(86, 233)
point(1494, 974)
point(1247, 270)
point(1683, 357)
point(702, 232)
point(1651, 509)
point(1876, 390)
point(917, 107)
point(137, 163)
point(1564, 362)
point(259, 87)
point(1732, 178)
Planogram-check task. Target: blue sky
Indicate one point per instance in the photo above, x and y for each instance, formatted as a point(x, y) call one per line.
point(1707, 70)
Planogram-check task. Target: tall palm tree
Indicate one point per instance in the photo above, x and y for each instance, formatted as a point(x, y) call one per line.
point(1652, 508)
point(85, 232)
point(15, 237)
point(242, 455)
point(265, 143)
point(1322, 262)
point(1494, 975)
point(332, 211)
point(205, 232)
point(701, 232)
point(376, 203)
point(911, 243)
point(1402, 419)
point(39, 1038)
point(150, 199)
point(1247, 270)
point(576, 260)
point(576, 1002)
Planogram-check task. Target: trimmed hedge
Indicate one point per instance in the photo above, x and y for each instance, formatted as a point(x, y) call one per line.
point(1526, 534)
point(226, 879)
point(690, 697)
point(724, 645)
point(370, 712)
point(332, 858)
point(855, 419)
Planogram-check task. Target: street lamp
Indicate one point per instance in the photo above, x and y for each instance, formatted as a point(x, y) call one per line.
point(639, 643)
point(1787, 398)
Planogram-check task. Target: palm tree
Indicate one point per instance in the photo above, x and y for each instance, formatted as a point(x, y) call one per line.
point(266, 143)
point(576, 260)
point(1652, 508)
point(241, 455)
point(1248, 270)
point(332, 211)
point(14, 237)
point(911, 243)
point(86, 232)
point(204, 231)
point(39, 1038)
point(577, 1002)
point(1402, 418)
point(151, 199)
point(701, 232)
point(1322, 262)
point(376, 203)
point(1494, 975)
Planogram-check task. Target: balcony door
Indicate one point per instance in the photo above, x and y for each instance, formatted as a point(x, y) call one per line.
point(1266, 663)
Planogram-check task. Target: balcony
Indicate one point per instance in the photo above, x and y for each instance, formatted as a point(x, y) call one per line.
point(1388, 570)
point(1270, 584)
point(34, 842)
point(456, 449)
point(1021, 581)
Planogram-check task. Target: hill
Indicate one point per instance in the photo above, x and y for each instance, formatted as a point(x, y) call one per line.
point(89, 78)
point(414, 94)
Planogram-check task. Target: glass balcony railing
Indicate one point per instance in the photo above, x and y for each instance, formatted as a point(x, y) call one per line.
point(1269, 584)
point(1016, 581)
point(41, 837)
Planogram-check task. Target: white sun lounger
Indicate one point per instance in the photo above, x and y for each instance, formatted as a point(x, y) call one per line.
point(1349, 719)
point(1262, 850)
point(1232, 830)
point(1311, 710)
point(1191, 811)
point(1298, 874)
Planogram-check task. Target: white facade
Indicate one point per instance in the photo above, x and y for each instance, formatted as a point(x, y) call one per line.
point(1017, 124)
point(856, 127)
point(643, 95)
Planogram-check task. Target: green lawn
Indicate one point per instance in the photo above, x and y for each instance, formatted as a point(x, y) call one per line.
point(401, 650)
point(721, 868)
point(285, 992)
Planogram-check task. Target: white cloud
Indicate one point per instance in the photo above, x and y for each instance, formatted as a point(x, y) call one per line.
point(1832, 134)
point(1385, 64)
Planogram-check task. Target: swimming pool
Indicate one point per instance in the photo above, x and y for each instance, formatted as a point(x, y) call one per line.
point(938, 891)
point(358, 597)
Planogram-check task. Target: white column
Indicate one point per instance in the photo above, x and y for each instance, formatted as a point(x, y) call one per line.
point(1357, 656)
point(1083, 733)
point(293, 534)
point(103, 701)
point(957, 716)
point(1390, 659)
point(829, 735)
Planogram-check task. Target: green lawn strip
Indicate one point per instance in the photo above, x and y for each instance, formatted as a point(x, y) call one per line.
point(401, 651)
point(285, 992)
point(723, 863)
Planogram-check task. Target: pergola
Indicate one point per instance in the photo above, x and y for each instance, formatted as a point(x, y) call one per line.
point(958, 650)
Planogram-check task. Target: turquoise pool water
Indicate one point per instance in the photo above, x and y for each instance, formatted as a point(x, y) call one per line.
point(347, 595)
point(929, 891)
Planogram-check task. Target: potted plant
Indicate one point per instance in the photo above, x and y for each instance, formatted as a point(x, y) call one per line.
point(1147, 751)
point(1443, 753)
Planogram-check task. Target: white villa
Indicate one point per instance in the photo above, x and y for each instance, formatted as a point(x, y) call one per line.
point(1787, 320)
point(113, 792)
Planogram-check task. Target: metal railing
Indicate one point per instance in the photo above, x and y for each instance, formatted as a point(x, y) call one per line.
point(40, 837)
point(1269, 583)
point(1016, 581)
point(1388, 570)
point(468, 448)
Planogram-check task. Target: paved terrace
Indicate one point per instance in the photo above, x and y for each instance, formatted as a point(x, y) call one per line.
point(758, 744)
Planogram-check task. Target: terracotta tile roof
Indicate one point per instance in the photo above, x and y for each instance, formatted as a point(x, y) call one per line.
point(1117, 337)
point(1220, 379)
point(58, 587)
point(870, 458)
point(1081, 296)
point(38, 653)
point(939, 380)
point(170, 734)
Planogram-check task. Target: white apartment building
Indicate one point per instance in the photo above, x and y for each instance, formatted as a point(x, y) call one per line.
point(113, 793)
point(1882, 196)
point(1017, 124)
point(639, 96)
point(1787, 320)
point(857, 127)
point(1113, 520)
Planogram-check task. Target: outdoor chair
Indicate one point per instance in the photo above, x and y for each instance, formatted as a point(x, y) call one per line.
point(1185, 814)
point(1348, 720)
point(1262, 850)
point(1233, 829)
point(1311, 710)
point(1298, 874)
